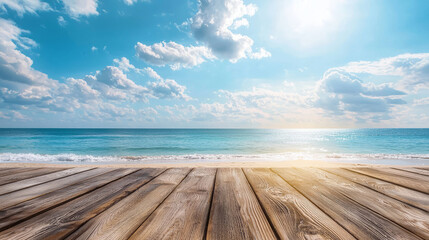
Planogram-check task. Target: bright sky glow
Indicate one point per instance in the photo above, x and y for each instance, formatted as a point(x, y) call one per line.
point(311, 23)
point(311, 14)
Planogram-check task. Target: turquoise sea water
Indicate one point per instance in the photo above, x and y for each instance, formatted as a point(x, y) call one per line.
point(392, 146)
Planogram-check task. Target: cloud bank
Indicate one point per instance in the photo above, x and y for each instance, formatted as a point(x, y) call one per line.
point(397, 86)
point(110, 90)
point(339, 97)
point(340, 93)
point(412, 68)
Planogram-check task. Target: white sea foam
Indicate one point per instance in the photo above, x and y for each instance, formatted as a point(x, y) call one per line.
point(379, 158)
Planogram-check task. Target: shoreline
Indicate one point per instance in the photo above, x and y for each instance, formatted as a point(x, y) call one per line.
point(270, 164)
point(213, 159)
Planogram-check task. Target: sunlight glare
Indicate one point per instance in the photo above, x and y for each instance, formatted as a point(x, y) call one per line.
point(309, 14)
point(309, 23)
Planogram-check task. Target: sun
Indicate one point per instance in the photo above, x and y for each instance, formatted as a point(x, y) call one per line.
point(309, 22)
point(310, 14)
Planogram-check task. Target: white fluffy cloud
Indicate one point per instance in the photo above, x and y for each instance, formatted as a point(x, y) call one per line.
point(61, 21)
point(81, 89)
point(78, 8)
point(412, 68)
point(24, 6)
point(16, 68)
point(240, 23)
point(114, 77)
point(161, 88)
point(213, 23)
point(212, 27)
point(339, 93)
point(167, 89)
point(172, 54)
point(125, 65)
point(40, 97)
point(75, 8)
point(261, 54)
point(151, 73)
point(114, 84)
point(131, 2)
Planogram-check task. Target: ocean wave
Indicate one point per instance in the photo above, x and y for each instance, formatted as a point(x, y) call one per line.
point(200, 158)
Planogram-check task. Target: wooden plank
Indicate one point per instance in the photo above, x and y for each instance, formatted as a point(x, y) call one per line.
point(9, 171)
point(409, 217)
point(235, 212)
point(14, 186)
point(360, 221)
point(58, 222)
point(412, 197)
point(25, 194)
point(423, 167)
point(405, 179)
point(14, 170)
point(122, 219)
point(20, 212)
point(6, 169)
point(414, 170)
point(27, 174)
point(184, 213)
point(293, 216)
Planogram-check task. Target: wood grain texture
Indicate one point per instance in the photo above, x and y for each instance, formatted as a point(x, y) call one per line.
point(292, 203)
point(235, 212)
point(22, 211)
point(26, 174)
point(293, 215)
point(412, 197)
point(122, 219)
point(405, 179)
point(409, 217)
point(58, 222)
point(11, 171)
point(357, 219)
point(414, 170)
point(184, 213)
point(423, 168)
point(25, 183)
point(13, 198)
point(7, 169)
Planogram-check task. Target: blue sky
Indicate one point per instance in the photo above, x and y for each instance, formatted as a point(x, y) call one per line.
point(220, 63)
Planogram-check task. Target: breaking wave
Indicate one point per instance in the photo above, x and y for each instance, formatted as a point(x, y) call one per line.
point(378, 158)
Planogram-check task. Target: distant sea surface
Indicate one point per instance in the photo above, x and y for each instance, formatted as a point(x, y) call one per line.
point(381, 146)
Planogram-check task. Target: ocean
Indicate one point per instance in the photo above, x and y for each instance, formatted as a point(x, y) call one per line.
point(379, 146)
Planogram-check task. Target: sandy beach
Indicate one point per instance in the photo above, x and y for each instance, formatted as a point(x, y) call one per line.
point(225, 164)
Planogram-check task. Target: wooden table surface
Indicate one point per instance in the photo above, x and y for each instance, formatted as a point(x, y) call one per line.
point(210, 203)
